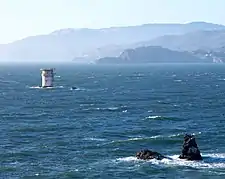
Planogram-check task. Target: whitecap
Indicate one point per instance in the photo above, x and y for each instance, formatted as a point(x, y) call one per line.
point(153, 117)
point(137, 138)
point(94, 139)
point(127, 159)
point(92, 104)
point(211, 162)
point(112, 108)
point(35, 87)
point(216, 155)
point(178, 80)
point(102, 109)
point(154, 137)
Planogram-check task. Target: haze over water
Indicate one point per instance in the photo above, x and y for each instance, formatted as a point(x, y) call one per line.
point(96, 130)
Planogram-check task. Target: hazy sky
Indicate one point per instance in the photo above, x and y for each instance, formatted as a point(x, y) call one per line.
point(21, 18)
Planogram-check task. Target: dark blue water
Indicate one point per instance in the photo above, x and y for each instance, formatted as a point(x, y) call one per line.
point(96, 130)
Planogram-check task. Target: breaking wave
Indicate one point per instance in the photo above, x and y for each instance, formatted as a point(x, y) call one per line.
point(209, 161)
point(152, 137)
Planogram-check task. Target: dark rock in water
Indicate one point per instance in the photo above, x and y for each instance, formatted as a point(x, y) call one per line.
point(73, 88)
point(148, 154)
point(190, 149)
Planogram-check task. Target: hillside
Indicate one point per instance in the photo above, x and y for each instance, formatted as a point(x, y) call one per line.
point(152, 54)
point(216, 55)
point(69, 44)
point(199, 40)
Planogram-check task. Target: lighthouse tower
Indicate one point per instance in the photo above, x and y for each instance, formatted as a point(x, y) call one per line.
point(47, 77)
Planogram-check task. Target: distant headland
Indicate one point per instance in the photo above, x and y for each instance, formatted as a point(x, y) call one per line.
point(195, 41)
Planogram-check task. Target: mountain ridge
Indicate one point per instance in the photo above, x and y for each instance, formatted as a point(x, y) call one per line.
point(207, 40)
point(68, 44)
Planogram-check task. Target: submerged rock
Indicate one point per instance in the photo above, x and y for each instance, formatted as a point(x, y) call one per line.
point(190, 149)
point(73, 88)
point(148, 154)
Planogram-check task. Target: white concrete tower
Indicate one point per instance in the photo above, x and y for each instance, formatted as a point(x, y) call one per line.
point(47, 77)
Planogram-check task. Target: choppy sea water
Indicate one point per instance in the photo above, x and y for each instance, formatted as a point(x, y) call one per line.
point(96, 130)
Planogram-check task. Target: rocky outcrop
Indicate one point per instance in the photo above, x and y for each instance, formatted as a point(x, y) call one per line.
point(190, 149)
point(148, 154)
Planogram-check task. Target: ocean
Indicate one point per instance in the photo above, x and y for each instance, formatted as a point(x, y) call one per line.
point(95, 130)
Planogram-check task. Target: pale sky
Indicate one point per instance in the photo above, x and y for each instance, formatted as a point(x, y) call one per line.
point(22, 18)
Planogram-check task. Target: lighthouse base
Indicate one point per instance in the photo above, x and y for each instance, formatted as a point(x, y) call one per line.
point(46, 86)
